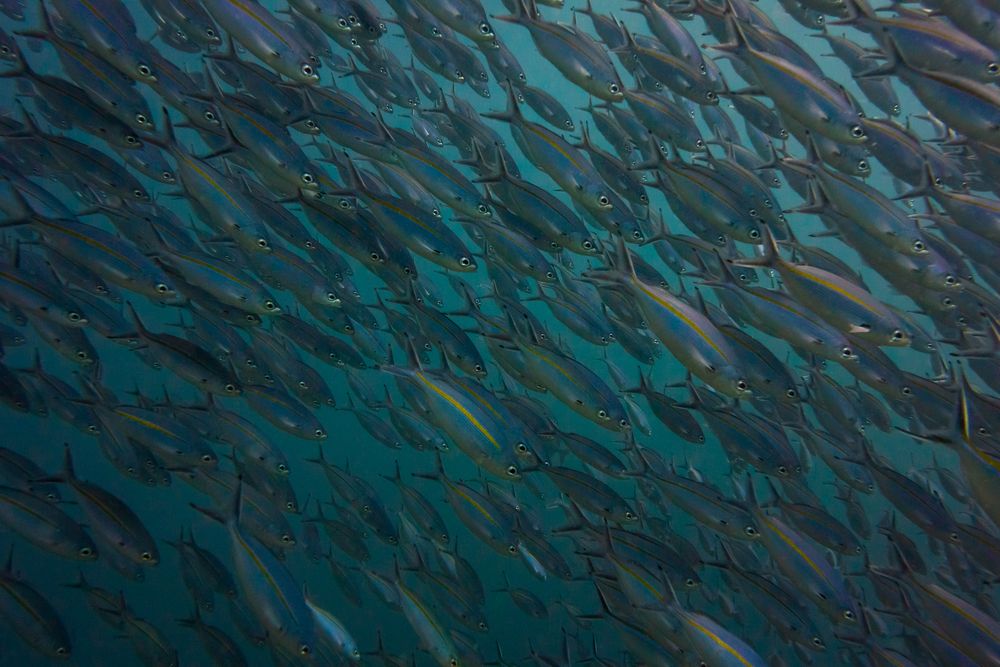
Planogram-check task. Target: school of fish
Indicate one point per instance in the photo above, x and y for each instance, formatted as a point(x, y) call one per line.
point(669, 332)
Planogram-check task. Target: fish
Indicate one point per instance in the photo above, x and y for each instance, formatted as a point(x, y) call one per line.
point(235, 225)
point(272, 595)
point(826, 293)
point(114, 522)
point(32, 617)
point(264, 35)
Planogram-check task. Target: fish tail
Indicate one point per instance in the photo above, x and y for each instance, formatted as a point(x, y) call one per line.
point(770, 258)
point(525, 13)
point(513, 111)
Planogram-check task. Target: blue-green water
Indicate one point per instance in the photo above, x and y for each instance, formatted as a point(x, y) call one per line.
point(161, 598)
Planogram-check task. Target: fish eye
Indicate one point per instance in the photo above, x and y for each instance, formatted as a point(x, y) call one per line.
point(629, 515)
point(898, 335)
point(62, 650)
point(262, 243)
point(857, 131)
point(637, 235)
point(319, 433)
point(863, 165)
point(483, 209)
point(478, 368)
point(311, 124)
point(74, 317)
point(342, 22)
point(550, 275)
point(754, 234)
point(141, 118)
point(919, 246)
point(782, 470)
point(588, 245)
point(209, 116)
point(465, 261)
point(521, 447)
point(846, 352)
point(145, 555)
point(753, 213)
point(710, 95)
point(144, 70)
point(453, 662)
point(742, 385)
point(791, 393)
point(817, 641)
point(950, 281)
point(603, 414)
point(623, 422)
point(614, 88)
point(512, 471)
point(848, 615)
point(282, 468)
point(86, 552)
point(953, 537)
point(993, 69)
point(286, 538)
point(210, 32)
point(167, 176)
point(306, 69)
point(208, 458)
point(603, 200)
point(303, 384)
point(305, 650)
point(131, 140)
point(308, 178)
point(161, 288)
point(270, 305)
point(230, 387)
point(750, 530)
point(485, 29)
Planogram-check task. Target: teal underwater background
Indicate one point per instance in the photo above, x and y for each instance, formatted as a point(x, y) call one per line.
point(162, 598)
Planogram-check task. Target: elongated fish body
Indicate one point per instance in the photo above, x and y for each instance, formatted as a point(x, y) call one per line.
point(274, 42)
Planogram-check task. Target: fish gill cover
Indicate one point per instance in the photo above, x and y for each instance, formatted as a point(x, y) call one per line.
point(496, 332)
